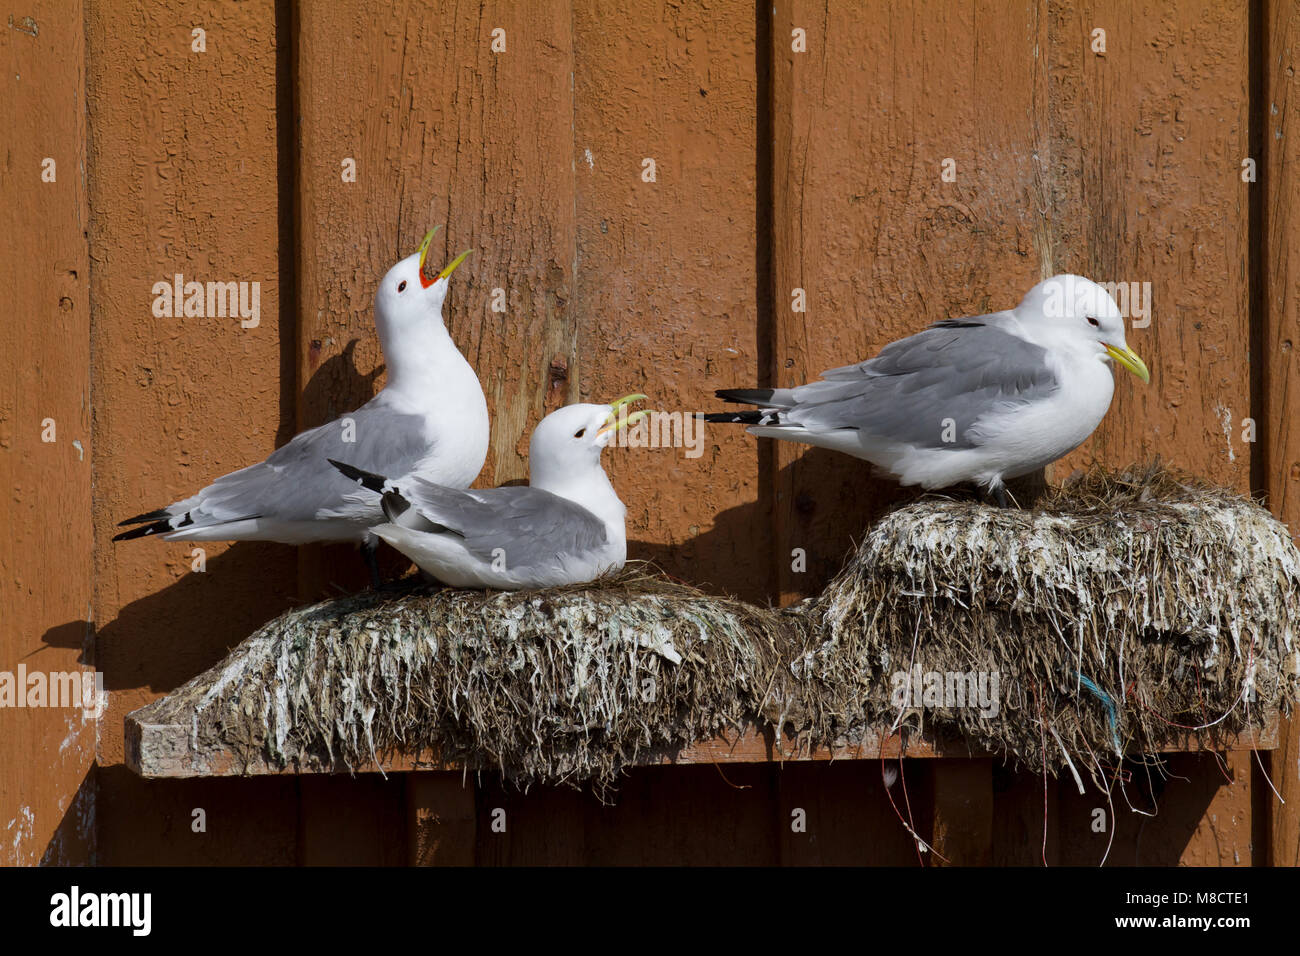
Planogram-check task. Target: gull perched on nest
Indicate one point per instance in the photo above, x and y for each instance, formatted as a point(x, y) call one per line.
point(565, 527)
point(980, 399)
point(431, 416)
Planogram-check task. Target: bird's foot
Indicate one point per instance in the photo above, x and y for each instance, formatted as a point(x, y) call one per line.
point(1004, 498)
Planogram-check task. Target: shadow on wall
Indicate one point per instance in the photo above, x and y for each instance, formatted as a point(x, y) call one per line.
point(73, 842)
point(836, 499)
point(230, 821)
point(164, 639)
point(336, 387)
point(745, 818)
point(1168, 806)
point(75, 635)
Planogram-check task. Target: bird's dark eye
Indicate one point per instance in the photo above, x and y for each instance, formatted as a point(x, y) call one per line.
point(579, 433)
point(401, 286)
point(1093, 322)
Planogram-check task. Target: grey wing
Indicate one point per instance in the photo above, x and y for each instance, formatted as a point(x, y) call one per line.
point(297, 481)
point(528, 525)
point(958, 369)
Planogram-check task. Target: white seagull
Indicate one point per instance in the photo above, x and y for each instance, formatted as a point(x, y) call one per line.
point(979, 399)
point(430, 417)
point(565, 527)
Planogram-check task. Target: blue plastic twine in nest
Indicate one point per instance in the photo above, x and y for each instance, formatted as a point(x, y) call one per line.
point(1111, 711)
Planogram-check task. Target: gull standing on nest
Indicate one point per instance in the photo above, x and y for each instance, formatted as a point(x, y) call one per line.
point(431, 416)
point(981, 399)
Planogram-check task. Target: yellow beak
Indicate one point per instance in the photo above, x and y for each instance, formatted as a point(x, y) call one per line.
point(424, 254)
point(424, 246)
point(617, 418)
point(1130, 360)
point(451, 266)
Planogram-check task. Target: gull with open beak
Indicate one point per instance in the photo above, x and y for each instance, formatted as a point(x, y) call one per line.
point(981, 399)
point(565, 527)
point(430, 417)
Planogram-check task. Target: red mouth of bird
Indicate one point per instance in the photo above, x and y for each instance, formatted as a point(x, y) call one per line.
point(425, 279)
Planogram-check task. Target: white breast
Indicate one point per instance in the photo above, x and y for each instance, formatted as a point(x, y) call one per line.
point(456, 423)
point(1035, 435)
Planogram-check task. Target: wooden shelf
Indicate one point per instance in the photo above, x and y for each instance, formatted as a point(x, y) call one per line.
point(169, 751)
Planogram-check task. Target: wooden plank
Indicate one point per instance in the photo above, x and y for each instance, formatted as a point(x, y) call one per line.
point(1186, 809)
point(1223, 835)
point(865, 224)
point(425, 140)
point(45, 553)
point(439, 135)
point(168, 750)
point(545, 826)
point(485, 150)
point(963, 812)
point(1150, 172)
point(442, 821)
point(183, 179)
point(1027, 817)
point(1145, 186)
point(688, 816)
point(840, 813)
point(352, 821)
point(226, 822)
point(1279, 319)
point(667, 272)
point(1065, 162)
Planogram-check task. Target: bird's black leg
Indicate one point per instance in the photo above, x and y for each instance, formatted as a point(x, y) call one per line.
point(1000, 495)
point(368, 549)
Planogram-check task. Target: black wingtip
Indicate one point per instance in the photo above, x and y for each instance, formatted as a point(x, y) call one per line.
point(167, 524)
point(367, 479)
point(158, 527)
point(743, 418)
point(158, 514)
point(745, 396)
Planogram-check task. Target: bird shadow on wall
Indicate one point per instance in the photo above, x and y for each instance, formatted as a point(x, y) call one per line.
point(164, 639)
point(75, 635)
point(336, 386)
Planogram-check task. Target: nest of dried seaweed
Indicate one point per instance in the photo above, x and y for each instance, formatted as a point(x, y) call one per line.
point(1120, 612)
point(563, 685)
point(1124, 612)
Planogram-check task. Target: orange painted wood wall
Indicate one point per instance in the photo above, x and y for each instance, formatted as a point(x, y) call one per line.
point(798, 146)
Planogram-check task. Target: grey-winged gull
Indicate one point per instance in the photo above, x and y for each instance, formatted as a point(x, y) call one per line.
point(565, 527)
point(431, 416)
point(979, 399)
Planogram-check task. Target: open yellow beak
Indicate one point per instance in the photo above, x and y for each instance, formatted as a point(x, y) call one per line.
point(617, 417)
point(424, 244)
point(451, 266)
point(424, 254)
point(1130, 360)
